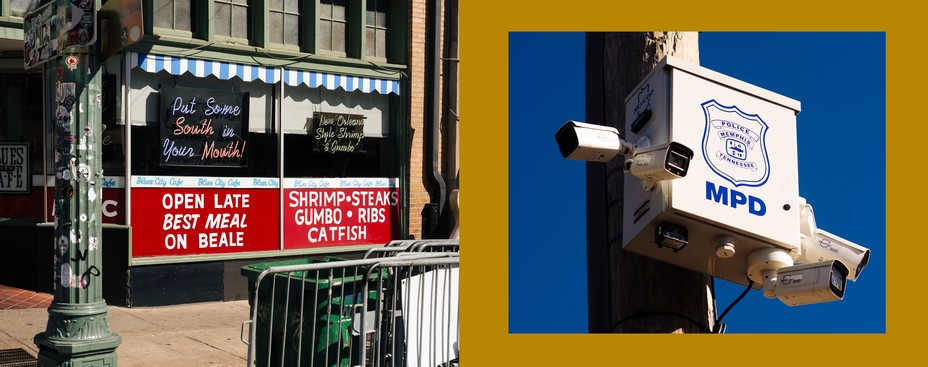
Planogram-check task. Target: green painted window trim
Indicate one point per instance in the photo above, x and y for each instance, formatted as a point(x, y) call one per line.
point(203, 30)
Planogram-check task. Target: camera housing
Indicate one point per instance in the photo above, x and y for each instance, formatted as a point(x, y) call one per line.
point(661, 162)
point(590, 142)
point(817, 282)
point(820, 245)
point(713, 183)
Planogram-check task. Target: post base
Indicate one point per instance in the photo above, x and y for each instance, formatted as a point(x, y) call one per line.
point(77, 335)
point(95, 353)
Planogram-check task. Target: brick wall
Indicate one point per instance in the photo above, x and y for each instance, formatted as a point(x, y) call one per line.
point(420, 181)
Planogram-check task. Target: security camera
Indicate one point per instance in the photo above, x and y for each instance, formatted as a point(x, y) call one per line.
point(797, 284)
point(819, 245)
point(810, 283)
point(589, 142)
point(660, 162)
point(597, 143)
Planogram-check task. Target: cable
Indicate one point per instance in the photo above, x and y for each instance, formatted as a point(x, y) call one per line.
point(719, 320)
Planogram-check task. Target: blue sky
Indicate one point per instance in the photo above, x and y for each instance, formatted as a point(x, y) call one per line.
point(840, 80)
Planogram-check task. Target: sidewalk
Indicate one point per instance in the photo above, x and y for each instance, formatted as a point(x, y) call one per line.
point(198, 334)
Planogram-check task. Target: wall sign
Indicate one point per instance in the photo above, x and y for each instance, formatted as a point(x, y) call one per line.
point(340, 211)
point(337, 132)
point(179, 216)
point(14, 168)
point(203, 127)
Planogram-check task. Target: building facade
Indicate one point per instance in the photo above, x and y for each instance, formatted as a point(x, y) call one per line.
point(236, 132)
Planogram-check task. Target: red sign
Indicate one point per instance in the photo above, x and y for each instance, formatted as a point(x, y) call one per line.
point(22, 206)
point(113, 208)
point(316, 216)
point(178, 221)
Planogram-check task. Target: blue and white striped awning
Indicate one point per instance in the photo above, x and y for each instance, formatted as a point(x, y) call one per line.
point(225, 71)
point(349, 83)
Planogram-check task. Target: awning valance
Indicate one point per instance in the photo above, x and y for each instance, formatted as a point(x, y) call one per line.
point(225, 71)
point(348, 83)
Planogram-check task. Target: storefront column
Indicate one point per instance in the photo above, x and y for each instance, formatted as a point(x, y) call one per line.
point(78, 332)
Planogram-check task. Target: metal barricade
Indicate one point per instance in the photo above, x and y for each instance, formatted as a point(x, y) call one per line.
point(399, 309)
point(399, 246)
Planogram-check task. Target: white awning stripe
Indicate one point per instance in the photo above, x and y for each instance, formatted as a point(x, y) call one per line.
point(225, 71)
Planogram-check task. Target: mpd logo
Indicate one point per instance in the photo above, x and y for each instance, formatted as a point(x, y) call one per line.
point(734, 144)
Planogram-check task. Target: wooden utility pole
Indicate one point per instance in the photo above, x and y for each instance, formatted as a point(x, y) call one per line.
point(630, 293)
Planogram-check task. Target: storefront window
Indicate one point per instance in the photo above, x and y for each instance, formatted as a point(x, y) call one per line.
point(113, 142)
point(210, 177)
point(20, 119)
point(189, 126)
point(21, 145)
point(333, 133)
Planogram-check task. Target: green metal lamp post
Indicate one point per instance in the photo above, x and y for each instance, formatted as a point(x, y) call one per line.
point(78, 332)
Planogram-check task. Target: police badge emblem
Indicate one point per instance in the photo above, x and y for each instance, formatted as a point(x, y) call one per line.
point(734, 144)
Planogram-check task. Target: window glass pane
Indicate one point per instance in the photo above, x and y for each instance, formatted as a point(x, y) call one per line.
point(338, 9)
point(325, 35)
point(222, 18)
point(382, 8)
point(381, 43)
point(371, 12)
point(292, 6)
point(338, 37)
point(182, 15)
point(240, 22)
point(292, 29)
point(276, 27)
point(277, 4)
point(164, 13)
point(325, 9)
point(241, 2)
point(370, 41)
point(382, 19)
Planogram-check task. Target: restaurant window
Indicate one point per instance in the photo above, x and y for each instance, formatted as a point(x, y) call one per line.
point(231, 18)
point(190, 126)
point(112, 142)
point(20, 119)
point(333, 26)
point(284, 21)
point(21, 131)
point(358, 147)
point(376, 29)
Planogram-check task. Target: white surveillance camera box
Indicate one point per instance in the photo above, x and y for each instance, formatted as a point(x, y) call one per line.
point(742, 185)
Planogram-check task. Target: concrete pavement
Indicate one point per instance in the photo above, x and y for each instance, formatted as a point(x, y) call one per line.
point(197, 334)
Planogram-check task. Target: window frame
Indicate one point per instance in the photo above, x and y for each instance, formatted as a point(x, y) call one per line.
point(388, 34)
point(250, 22)
point(152, 29)
point(300, 15)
